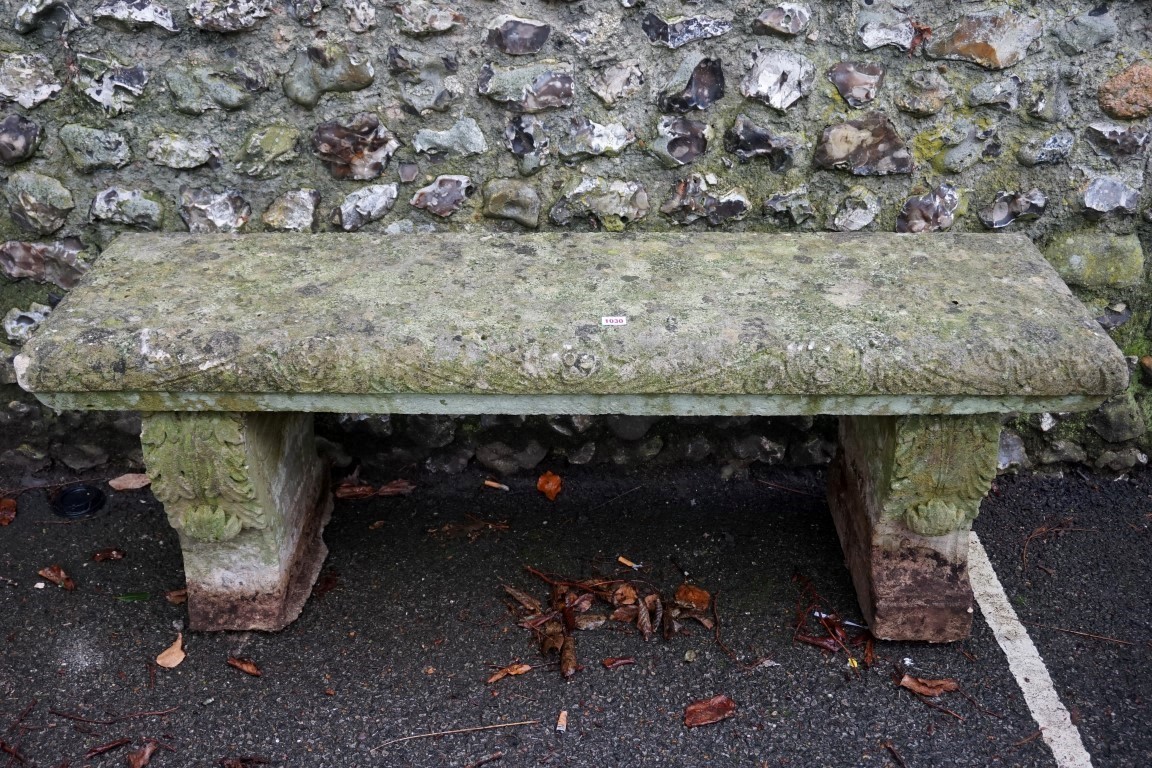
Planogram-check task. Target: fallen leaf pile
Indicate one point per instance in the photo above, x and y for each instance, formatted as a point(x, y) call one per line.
point(575, 606)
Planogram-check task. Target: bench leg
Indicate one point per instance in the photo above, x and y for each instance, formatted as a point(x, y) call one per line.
point(248, 496)
point(904, 491)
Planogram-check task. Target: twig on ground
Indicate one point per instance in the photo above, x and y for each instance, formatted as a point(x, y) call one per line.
point(485, 760)
point(80, 719)
point(945, 710)
point(12, 752)
point(731, 654)
point(614, 498)
point(457, 730)
point(895, 755)
point(1048, 528)
point(1078, 632)
point(97, 751)
point(1027, 739)
point(789, 490)
point(157, 713)
point(20, 718)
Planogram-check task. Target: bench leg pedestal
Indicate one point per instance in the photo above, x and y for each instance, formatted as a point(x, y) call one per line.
point(248, 496)
point(904, 491)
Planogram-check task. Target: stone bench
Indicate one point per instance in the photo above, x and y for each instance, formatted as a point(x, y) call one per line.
point(228, 344)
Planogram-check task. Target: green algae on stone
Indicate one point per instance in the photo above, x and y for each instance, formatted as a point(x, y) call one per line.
point(265, 149)
point(1096, 259)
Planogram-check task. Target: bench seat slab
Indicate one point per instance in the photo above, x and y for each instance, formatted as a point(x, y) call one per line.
point(904, 491)
point(248, 496)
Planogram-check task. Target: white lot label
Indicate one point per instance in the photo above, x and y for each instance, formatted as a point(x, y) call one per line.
point(614, 321)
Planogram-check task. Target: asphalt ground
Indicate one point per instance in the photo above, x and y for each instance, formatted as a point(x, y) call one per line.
point(410, 620)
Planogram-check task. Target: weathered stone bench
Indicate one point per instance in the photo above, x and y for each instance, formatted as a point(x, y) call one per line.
point(228, 344)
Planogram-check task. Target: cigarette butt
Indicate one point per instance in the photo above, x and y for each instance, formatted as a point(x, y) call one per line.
point(628, 563)
point(494, 484)
point(562, 721)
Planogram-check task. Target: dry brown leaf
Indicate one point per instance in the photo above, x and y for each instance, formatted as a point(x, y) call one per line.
point(376, 525)
point(355, 491)
point(245, 665)
point(130, 482)
point(568, 663)
point(177, 596)
point(707, 711)
point(142, 756)
point(625, 613)
point(108, 554)
point(644, 620)
point(624, 594)
point(7, 511)
point(526, 600)
point(171, 656)
point(396, 488)
point(57, 576)
point(613, 662)
point(589, 621)
point(549, 484)
point(553, 640)
point(692, 597)
point(511, 669)
point(927, 687)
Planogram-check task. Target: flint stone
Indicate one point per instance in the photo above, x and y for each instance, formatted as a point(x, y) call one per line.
point(1107, 195)
point(993, 41)
point(94, 150)
point(200, 89)
point(1010, 206)
point(857, 210)
point(19, 138)
point(1088, 31)
point(512, 199)
point(180, 152)
point(418, 18)
point(360, 14)
point(877, 29)
point(307, 12)
point(679, 141)
point(973, 145)
point(505, 460)
point(535, 88)
point(621, 80)
point(1118, 419)
point(778, 78)
point(524, 137)
point(1097, 260)
point(80, 457)
point(427, 83)
point(748, 141)
point(924, 94)
point(705, 86)
point(19, 324)
point(464, 138)
point(116, 88)
point(1115, 316)
point(205, 211)
point(365, 206)
point(857, 82)
point(27, 79)
point(1011, 453)
point(1054, 149)
point(227, 15)
point(7, 376)
point(516, 36)
point(1115, 141)
point(54, 18)
point(791, 207)
point(326, 67)
point(293, 211)
point(691, 201)
point(134, 15)
point(932, 212)
point(1121, 460)
point(38, 204)
point(1004, 93)
point(588, 139)
point(450, 462)
point(61, 262)
point(612, 205)
point(630, 428)
point(444, 196)
point(265, 149)
point(1061, 452)
point(674, 33)
point(1051, 103)
point(786, 19)
point(408, 172)
point(868, 146)
point(126, 206)
point(430, 431)
point(359, 149)
point(1128, 95)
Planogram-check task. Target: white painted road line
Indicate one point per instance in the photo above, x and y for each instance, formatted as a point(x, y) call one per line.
point(1024, 662)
